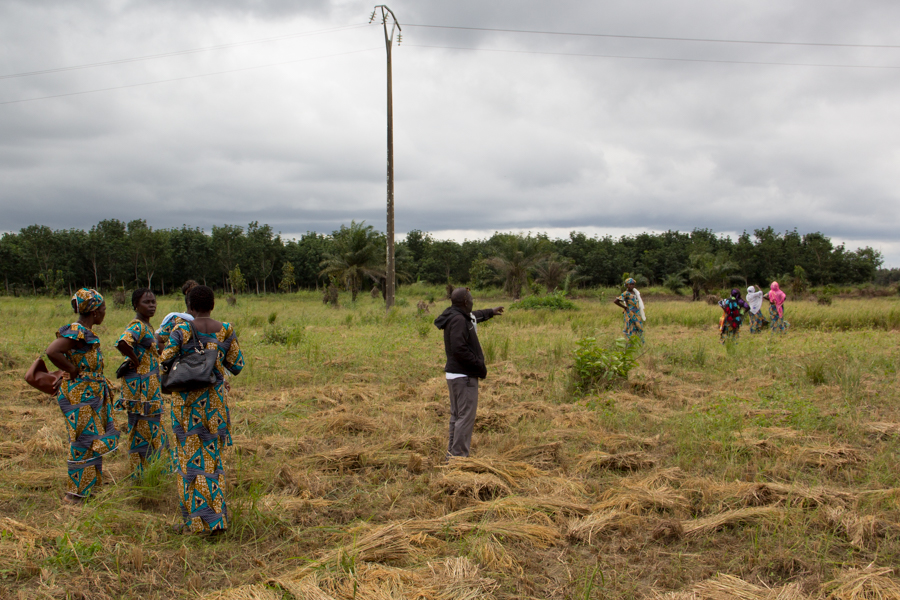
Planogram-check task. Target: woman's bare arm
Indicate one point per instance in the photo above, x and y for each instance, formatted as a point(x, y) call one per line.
point(56, 352)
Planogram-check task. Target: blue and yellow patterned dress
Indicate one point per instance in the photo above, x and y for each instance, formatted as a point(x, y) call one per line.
point(200, 422)
point(634, 325)
point(85, 403)
point(776, 321)
point(757, 322)
point(141, 398)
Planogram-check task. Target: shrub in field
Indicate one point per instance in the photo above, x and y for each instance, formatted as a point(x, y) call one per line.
point(556, 301)
point(596, 367)
point(816, 370)
point(280, 335)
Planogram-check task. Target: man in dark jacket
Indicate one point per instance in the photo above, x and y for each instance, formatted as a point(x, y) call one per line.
point(465, 365)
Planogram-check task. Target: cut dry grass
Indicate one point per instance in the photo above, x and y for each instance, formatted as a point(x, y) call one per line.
point(862, 531)
point(829, 457)
point(883, 429)
point(245, 592)
point(596, 461)
point(707, 525)
point(510, 471)
point(640, 499)
point(449, 579)
point(871, 583)
point(728, 587)
point(477, 486)
point(597, 524)
point(541, 456)
point(336, 489)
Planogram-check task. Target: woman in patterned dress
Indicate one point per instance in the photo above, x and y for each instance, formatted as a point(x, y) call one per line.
point(731, 326)
point(629, 301)
point(755, 300)
point(140, 396)
point(83, 395)
point(776, 300)
point(201, 419)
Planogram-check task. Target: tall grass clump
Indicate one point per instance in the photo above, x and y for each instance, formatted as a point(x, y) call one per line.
point(599, 368)
point(279, 335)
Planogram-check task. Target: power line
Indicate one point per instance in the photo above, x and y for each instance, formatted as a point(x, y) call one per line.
point(696, 60)
point(654, 37)
point(122, 87)
point(182, 52)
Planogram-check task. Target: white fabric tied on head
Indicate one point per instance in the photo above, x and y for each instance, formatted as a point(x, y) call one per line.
point(754, 299)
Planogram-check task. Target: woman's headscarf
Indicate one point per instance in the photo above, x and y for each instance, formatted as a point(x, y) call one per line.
point(776, 297)
point(754, 299)
point(86, 301)
point(736, 295)
point(637, 294)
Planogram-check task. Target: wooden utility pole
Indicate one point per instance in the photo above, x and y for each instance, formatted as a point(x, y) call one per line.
point(390, 274)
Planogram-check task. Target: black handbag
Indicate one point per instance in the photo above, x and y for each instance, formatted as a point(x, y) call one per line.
point(190, 370)
point(123, 369)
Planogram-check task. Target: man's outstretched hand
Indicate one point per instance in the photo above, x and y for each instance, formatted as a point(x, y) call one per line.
point(498, 310)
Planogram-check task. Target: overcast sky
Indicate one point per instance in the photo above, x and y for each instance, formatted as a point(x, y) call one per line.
point(493, 130)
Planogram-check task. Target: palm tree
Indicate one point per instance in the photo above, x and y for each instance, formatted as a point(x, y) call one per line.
point(356, 254)
point(552, 272)
point(707, 270)
point(515, 258)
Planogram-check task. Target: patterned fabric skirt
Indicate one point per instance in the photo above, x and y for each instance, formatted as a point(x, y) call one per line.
point(730, 334)
point(147, 439)
point(198, 462)
point(92, 432)
point(777, 322)
point(634, 326)
point(757, 322)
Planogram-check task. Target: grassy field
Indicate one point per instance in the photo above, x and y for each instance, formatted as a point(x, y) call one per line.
point(763, 470)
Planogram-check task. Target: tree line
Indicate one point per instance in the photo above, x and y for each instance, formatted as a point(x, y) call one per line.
point(115, 254)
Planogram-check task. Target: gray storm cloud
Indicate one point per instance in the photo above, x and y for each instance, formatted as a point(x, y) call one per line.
point(506, 133)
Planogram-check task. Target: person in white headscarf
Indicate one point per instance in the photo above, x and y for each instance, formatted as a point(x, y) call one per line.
point(755, 300)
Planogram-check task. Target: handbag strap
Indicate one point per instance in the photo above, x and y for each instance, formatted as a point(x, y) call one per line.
point(195, 336)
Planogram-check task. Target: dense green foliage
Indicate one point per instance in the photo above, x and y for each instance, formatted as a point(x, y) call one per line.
point(116, 254)
point(598, 367)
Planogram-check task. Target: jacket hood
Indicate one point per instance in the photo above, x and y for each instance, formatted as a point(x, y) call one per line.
point(442, 319)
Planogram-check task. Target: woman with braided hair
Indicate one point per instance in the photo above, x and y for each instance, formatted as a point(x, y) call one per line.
point(83, 395)
point(201, 418)
point(140, 396)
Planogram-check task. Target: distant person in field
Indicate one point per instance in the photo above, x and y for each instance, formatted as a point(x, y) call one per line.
point(83, 395)
point(755, 301)
point(632, 305)
point(731, 325)
point(140, 397)
point(776, 300)
point(465, 365)
point(201, 419)
point(175, 318)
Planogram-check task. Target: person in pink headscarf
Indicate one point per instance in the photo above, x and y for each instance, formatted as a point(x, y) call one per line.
point(776, 308)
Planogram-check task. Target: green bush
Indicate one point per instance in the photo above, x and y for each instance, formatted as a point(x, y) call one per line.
point(279, 335)
point(600, 368)
point(555, 301)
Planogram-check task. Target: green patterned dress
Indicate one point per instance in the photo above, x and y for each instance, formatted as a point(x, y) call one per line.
point(200, 422)
point(141, 398)
point(85, 404)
